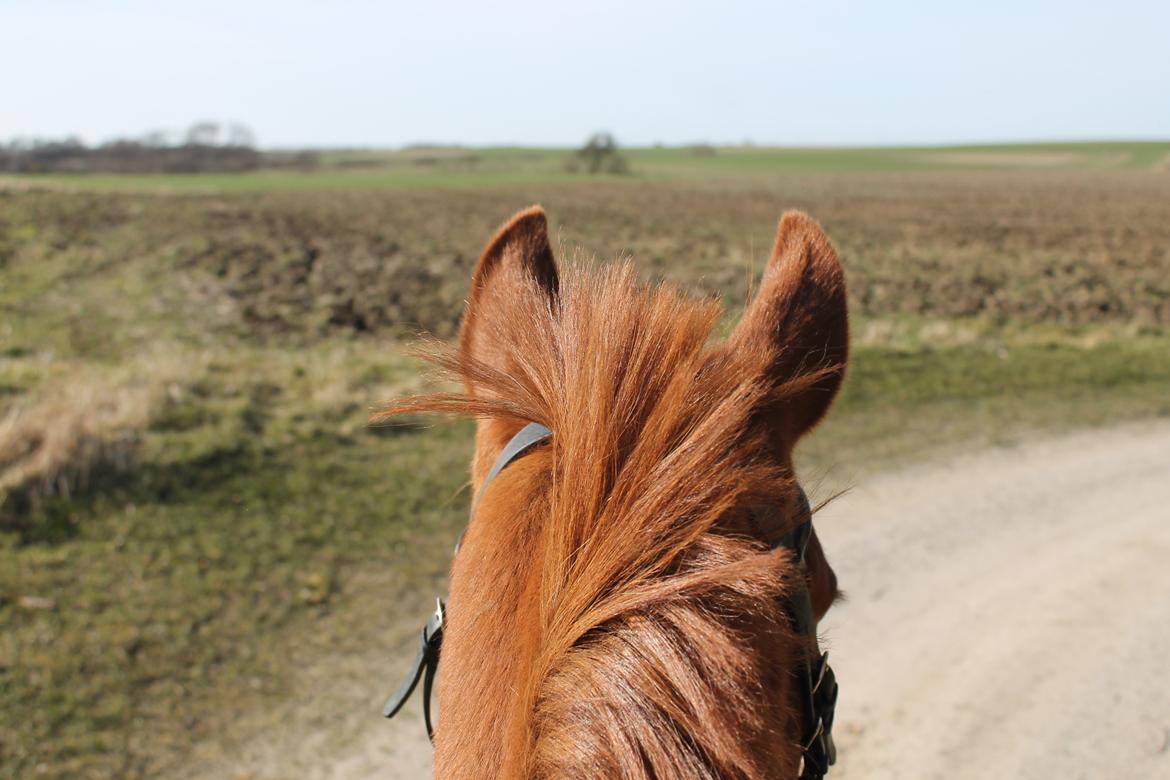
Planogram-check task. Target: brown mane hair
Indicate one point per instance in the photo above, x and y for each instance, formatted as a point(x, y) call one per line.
point(615, 610)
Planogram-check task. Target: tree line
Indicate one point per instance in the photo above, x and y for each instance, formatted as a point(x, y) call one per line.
point(204, 147)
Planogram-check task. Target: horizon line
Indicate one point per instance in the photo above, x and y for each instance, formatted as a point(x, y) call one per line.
point(720, 145)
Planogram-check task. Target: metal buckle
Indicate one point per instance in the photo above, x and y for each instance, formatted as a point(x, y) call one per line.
point(437, 618)
point(819, 677)
point(818, 731)
point(814, 755)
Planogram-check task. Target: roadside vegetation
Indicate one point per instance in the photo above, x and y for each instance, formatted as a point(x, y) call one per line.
point(192, 505)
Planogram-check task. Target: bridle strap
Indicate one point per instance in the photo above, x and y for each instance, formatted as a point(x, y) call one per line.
point(426, 660)
point(525, 439)
point(818, 684)
point(426, 663)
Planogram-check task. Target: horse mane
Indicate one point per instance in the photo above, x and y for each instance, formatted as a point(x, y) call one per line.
point(664, 650)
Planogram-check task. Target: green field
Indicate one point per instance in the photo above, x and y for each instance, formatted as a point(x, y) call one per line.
point(194, 510)
point(473, 168)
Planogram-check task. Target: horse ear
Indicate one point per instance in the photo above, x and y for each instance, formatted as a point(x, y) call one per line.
point(517, 259)
point(798, 325)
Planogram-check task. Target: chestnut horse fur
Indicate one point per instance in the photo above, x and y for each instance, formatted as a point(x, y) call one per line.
point(615, 609)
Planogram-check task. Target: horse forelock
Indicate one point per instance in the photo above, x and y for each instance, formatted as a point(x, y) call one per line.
point(658, 646)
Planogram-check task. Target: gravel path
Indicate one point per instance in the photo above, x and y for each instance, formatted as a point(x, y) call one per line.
point(1009, 613)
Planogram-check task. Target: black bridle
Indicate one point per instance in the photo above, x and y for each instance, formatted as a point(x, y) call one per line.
point(817, 683)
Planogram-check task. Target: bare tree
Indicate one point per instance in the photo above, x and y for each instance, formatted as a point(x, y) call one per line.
point(155, 139)
point(154, 152)
point(600, 155)
point(203, 134)
point(239, 134)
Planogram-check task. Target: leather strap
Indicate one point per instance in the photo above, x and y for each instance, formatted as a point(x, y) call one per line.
point(426, 661)
point(818, 684)
point(525, 439)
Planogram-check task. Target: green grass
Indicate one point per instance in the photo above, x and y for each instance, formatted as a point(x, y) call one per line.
point(901, 402)
point(495, 167)
point(178, 591)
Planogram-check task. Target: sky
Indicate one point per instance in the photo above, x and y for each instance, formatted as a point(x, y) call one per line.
point(382, 74)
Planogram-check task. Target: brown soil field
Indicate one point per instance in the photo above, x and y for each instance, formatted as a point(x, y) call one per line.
point(1060, 248)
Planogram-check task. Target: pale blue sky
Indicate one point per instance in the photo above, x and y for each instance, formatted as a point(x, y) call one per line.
point(389, 73)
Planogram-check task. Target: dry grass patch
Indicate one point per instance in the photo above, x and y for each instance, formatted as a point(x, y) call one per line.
point(82, 423)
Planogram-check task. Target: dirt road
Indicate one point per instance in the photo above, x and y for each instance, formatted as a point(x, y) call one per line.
point(1009, 613)
point(1008, 616)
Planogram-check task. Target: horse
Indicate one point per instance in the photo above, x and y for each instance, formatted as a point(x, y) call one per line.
point(637, 591)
